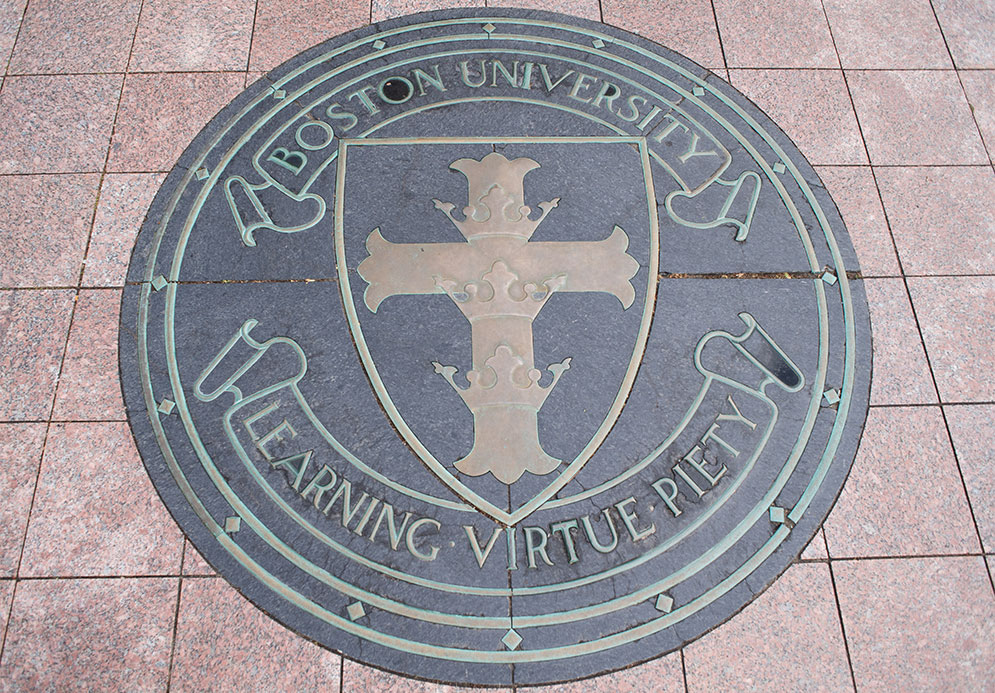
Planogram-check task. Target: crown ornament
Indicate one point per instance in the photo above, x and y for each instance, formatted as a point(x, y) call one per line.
point(496, 196)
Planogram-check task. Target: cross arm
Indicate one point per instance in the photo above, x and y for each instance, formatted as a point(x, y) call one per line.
point(602, 266)
point(408, 268)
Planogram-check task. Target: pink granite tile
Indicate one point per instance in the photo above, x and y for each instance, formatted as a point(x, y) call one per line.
point(282, 30)
point(89, 387)
point(661, 675)
point(59, 124)
point(943, 219)
point(915, 117)
point(225, 643)
point(253, 77)
point(194, 563)
point(20, 454)
point(802, 102)
point(95, 511)
point(588, 9)
point(778, 33)
point(957, 317)
point(33, 328)
point(75, 36)
point(789, 638)
point(972, 429)
point(11, 12)
point(918, 624)
point(887, 34)
point(388, 9)
point(904, 495)
point(6, 594)
point(967, 26)
point(687, 26)
point(900, 369)
point(816, 549)
point(357, 678)
point(44, 223)
point(124, 199)
point(109, 635)
point(980, 88)
point(209, 35)
point(161, 113)
point(856, 195)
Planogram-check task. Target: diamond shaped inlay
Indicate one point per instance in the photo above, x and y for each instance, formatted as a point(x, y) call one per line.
point(665, 603)
point(512, 639)
point(355, 611)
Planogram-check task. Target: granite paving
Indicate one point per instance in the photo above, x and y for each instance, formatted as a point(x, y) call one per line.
point(893, 101)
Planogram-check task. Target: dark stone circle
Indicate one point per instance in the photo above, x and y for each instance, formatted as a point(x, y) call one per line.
point(669, 362)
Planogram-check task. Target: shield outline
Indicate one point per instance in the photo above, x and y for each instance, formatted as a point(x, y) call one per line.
point(440, 471)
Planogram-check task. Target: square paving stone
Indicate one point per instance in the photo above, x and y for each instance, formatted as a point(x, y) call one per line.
point(801, 102)
point(194, 563)
point(10, 21)
point(358, 678)
point(943, 219)
point(894, 108)
point(44, 223)
point(686, 27)
point(177, 35)
point(124, 199)
point(912, 623)
point(20, 454)
point(816, 549)
point(33, 327)
point(854, 191)
point(972, 429)
point(161, 113)
point(282, 30)
point(957, 317)
point(94, 634)
point(588, 9)
point(980, 89)
point(904, 495)
point(75, 36)
point(662, 675)
point(798, 36)
point(901, 372)
point(867, 34)
point(6, 594)
point(966, 25)
point(388, 9)
point(788, 639)
point(89, 385)
point(57, 124)
point(223, 642)
point(124, 530)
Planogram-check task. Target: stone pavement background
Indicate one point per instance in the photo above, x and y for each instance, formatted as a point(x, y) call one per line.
point(892, 100)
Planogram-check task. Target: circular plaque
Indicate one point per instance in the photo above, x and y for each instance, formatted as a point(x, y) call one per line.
point(495, 347)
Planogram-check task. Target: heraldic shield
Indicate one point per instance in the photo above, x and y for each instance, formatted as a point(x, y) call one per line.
point(500, 299)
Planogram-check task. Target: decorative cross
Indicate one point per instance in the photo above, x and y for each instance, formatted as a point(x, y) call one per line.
point(500, 281)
